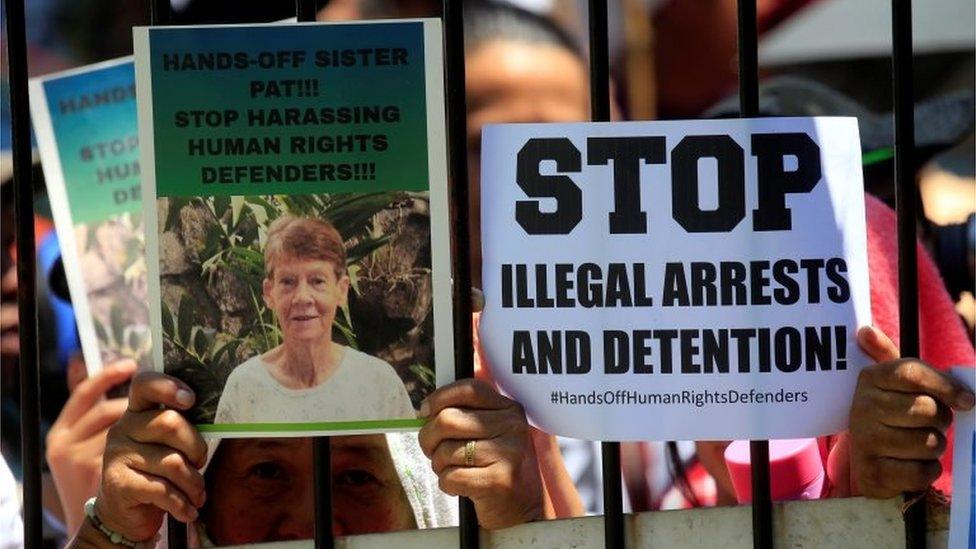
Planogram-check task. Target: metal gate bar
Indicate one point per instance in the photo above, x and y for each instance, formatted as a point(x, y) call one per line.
point(305, 11)
point(748, 54)
point(452, 16)
point(176, 531)
point(30, 391)
point(906, 197)
point(322, 477)
point(613, 515)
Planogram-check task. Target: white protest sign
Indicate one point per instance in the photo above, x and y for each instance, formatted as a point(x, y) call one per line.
point(676, 280)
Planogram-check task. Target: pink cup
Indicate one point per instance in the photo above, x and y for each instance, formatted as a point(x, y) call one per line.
point(795, 469)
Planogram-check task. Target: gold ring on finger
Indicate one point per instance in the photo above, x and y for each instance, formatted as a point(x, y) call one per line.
point(469, 453)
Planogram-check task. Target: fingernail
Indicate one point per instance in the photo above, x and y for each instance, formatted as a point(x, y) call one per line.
point(965, 400)
point(424, 408)
point(184, 398)
point(128, 366)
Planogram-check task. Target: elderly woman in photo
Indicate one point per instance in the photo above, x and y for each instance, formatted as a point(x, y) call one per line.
point(309, 377)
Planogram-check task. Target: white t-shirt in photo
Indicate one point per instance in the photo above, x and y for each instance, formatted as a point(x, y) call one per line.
point(362, 388)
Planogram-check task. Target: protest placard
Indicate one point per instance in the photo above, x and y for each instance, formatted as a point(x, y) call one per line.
point(85, 124)
point(675, 280)
point(962, 523)
point(297, 221)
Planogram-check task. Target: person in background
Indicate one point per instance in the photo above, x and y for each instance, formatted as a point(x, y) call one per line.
point(11, 526)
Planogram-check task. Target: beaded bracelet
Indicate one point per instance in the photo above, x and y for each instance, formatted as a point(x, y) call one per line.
point(113, 536)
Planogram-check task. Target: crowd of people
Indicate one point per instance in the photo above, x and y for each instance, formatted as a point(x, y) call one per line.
point(140, 459)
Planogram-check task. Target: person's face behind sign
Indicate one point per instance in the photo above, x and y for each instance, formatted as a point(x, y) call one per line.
point(517, 82)
point(305, 295)
point(261, 490)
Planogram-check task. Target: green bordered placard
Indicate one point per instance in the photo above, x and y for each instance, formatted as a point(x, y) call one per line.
point(244, 124)
point(86, 128)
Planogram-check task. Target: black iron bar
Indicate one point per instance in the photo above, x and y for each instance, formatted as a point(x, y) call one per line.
point(906, 206)
point(30, 424)
point(322, 477)
point(748, 57)
point(613, 512)
point(305, 11)
point(160, 13)
point(452, 16)
point(762, 503)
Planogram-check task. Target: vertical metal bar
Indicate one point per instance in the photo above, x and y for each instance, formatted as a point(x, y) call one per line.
point(748, 38)
point(160, 13)
point(452, 16)
point(30, 426)
point(322, 476)
point(305, 11)
point(906, 206)
point(748, 59)
point(613, 514)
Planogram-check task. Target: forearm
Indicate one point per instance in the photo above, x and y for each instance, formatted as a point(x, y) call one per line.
point(90, 537)
point(561, 498)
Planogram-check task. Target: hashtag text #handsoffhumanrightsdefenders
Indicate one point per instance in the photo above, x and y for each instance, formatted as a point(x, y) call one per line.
point(681, 398)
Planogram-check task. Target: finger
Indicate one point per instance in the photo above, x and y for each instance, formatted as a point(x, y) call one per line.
point(913, 376)
point(877, 344)
point(464, 425)
point(102, 416)
point(163, 494)
point(168, 428)
point(908, 444)
point(10, 344)
point(911, 410)
point(9, 317)
point(900, 475)
point(8, 284)
point(477, 300)
point(466, 393)
point(464, 481)
point(171, 465)
point(151, 389)
point(77, 372)
point(88, 392)
point(94, 446)
point(456, 452)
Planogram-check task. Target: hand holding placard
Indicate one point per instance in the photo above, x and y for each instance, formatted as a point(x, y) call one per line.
point(899, 417)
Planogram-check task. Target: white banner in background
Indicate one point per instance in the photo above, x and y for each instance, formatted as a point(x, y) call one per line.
point(676, 280)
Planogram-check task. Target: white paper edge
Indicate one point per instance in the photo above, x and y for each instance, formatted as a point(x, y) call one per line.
point(440, 224)
point(63, 220)
point(960, 514)
point(147, 163)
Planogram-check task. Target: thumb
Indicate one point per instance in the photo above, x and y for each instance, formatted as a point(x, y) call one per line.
point(877, 345)
point(840, 468)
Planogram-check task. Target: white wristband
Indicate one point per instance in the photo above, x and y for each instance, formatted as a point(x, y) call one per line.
point(112, 535)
